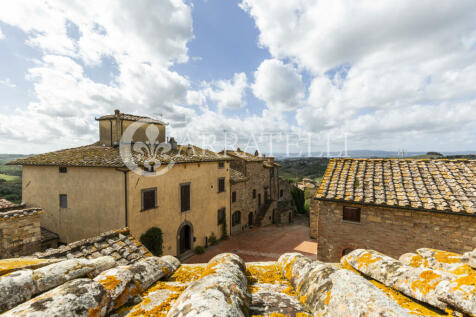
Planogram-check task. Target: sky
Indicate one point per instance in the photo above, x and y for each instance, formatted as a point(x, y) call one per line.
point(287, 76)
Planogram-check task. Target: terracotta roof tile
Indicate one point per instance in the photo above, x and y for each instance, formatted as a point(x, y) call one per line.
point(118, 243)
point(96, 155)
point(237, 176)
point(131, 117)
point(426, 283)
point(244, 156)
point(437, 185)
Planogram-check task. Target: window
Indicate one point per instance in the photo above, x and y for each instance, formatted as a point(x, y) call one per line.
point(221, 164)
point(63, 201)
point(63, 169)
point(351, 214)
point(221, 185)
point(254, 193)
point(149, 198)
point(221, 216)
point(184, 197)
point(280, 193)
point(233, 197)
point(236, 218)
point(271, 172)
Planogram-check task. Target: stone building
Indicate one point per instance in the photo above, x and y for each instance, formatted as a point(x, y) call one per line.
point(87, 190)
point(394, 206)
point(20, 231)
point(256, 195)
point(364, 283)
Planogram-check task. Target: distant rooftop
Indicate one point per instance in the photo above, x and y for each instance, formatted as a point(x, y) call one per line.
point(130, 117)
point(422, 184)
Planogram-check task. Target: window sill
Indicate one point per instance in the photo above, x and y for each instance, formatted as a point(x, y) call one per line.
point(351, 222)
point(142, 210)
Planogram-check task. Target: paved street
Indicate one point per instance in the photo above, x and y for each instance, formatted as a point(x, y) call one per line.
point(264, 244)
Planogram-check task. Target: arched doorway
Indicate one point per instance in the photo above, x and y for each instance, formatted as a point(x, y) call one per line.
point(250, 219)
point(184, 237)
point(346, 251)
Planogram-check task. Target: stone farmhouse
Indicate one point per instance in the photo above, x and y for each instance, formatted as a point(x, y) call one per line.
point(257, 194)
point(93, 281)
point(91, 189)
point(394, 206)
point(20, 230)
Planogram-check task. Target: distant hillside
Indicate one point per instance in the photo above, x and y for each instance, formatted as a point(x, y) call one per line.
point(298, 168)
point(10, 178)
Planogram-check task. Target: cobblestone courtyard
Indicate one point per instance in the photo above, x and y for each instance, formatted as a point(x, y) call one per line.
point(265, 243)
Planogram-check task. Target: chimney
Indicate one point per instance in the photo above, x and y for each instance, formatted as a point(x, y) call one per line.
point(173, 143)
point(189, 150)
point(256, 153)
point(264, 155)
point(270, 159)
point(238, 150)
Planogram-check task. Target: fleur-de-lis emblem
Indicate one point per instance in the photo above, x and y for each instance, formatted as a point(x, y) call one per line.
point(144, 157)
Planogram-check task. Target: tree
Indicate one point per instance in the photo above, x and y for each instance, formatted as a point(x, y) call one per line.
point(152, 239)
point(298, 197)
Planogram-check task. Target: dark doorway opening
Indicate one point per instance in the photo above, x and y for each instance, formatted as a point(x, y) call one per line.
point(259, 200)
point(250, 219)
point(185, 242)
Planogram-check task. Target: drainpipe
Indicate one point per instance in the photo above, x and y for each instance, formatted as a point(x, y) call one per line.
point(126, 218)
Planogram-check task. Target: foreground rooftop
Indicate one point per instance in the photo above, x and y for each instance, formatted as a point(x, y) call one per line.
point(365, 283)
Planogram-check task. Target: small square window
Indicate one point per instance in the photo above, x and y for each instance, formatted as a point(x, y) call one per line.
point(149, 198)
point(221, 216)
point(221, 185)
point(221, 164)
point(233, 197)
point(254, 193)
point(351, 214)
point(63, 201)
point(63, 169)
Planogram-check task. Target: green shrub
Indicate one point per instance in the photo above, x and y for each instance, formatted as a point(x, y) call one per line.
point(199, 249)
point(224, 233)
point(212, 239)
point(298, 197)
point(152, 239)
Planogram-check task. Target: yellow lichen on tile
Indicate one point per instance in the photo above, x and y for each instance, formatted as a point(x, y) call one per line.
point(264, 274)
point(366, 259)
point(9, 265)
point(187, 273)
point(405, 302)
point(109, 282)
point(427, 282)
point(447, 257)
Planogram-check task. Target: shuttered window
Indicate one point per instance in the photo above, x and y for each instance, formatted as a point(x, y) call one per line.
point(254, 193)
point(184, 197)
point(149, 198)
point(221, 216)
point(63, 169)
point(233, 197)
point(221, 185)
point(351, 214)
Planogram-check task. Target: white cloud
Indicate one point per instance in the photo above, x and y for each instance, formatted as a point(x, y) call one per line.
point(7, 83)
point(224, 93)
point(378, 68)
point(279, 85)
point(2, 36)
point(143, 39)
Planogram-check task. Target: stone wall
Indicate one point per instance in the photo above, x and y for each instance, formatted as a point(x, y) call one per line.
point(391, 231)
point(20, 236)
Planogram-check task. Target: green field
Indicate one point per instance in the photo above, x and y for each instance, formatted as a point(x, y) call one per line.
point(10, 178)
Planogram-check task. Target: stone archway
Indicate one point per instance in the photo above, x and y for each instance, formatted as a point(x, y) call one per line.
point(184, 238)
